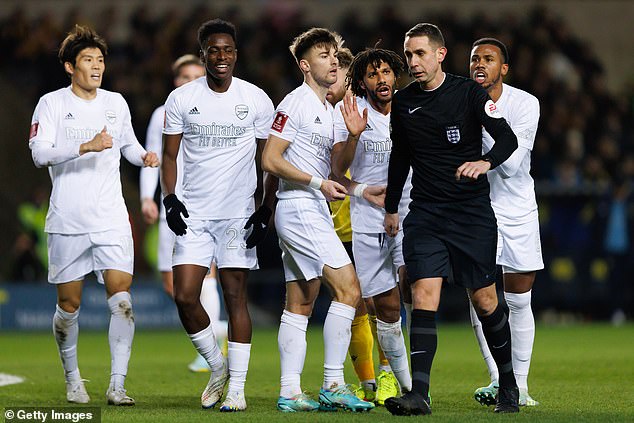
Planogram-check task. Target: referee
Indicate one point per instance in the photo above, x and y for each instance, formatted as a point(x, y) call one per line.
point(451, 228)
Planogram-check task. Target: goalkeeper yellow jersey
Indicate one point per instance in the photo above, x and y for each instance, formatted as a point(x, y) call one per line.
point(340, 212)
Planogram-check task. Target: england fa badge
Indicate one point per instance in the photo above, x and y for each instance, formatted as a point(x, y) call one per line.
point(453, 134)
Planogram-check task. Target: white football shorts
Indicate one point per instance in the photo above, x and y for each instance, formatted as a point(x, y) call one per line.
point(307, 238)
point(71, 257)
point(377, 259)
point(519, 247)
point(222, 241)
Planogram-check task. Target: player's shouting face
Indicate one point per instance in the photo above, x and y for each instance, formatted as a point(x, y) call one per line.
point(322, 63)
point(219, 56)
point(379, 83)
point(487, 67)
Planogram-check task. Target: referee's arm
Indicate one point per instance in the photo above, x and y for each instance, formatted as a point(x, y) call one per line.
point(399, 165)
point(505, 139)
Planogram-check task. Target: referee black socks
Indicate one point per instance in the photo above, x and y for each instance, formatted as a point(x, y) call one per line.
point(498, 335)
point(423, 343)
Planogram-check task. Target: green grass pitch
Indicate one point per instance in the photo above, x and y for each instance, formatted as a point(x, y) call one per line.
point(581, 373)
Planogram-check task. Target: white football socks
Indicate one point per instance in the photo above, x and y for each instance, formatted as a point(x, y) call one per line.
point(482, 342)
point(238, 357)
point(390, 337)
point(522, 325)
point(120, 335)
point(337, 334)
point(291, 341)
point(66, 331)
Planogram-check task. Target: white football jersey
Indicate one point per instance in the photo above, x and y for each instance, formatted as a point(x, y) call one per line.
point(150, 176)
point(218, 145)
point(513, 199)
point(86, 195)
point(370, 166)
point(306, 122)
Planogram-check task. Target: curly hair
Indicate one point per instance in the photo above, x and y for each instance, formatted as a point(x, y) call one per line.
point(371, 56)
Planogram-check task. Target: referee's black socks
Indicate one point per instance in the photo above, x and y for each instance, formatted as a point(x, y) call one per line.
point(423, 342)
point(498, 335)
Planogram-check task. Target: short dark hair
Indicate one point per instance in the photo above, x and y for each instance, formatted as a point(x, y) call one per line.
point(320, 37)
point(187, 59)
point(79, 38)
point(428, 30)
point(494, 42)
point(215, 26)
point(374, 57)
point(345, 57)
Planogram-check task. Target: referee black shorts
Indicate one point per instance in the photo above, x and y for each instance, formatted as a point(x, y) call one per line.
point(460, 237)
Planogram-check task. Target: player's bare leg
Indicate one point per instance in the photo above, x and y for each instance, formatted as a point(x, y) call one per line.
point(188, 279)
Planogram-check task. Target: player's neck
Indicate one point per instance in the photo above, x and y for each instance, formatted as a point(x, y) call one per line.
point(320, 90)
point(495, 91)
point(84, 94)
point(219, 85)
point(383, 108)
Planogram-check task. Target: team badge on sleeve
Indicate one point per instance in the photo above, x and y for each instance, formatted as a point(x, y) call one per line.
point(279, 122)
point(491, 110)
point(33, 131)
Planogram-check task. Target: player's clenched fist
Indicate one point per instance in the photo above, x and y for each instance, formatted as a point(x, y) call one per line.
point(150, 159)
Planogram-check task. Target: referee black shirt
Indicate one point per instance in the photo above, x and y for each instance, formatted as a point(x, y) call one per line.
point(435, 132)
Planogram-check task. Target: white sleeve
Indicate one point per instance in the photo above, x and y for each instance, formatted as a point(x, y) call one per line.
point(42, 139)
point(513, 163)
point(45, 154)
point(130, 147)
point(174, 123)
point(264, 116)
point(524, 126)
point(149, 176)
point(341, 130)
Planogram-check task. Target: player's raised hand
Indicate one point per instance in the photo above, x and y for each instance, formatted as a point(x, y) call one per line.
point(390, 223)
point(332, 190)
point(375, 194)
point(473, 170)
point(101, 141)
point(355, 122)
point(149, 210)
point(150, 159)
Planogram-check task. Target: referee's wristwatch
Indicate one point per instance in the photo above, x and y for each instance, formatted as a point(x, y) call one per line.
point(488, 159)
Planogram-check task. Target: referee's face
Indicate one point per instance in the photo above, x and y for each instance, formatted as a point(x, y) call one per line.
point(423, 59)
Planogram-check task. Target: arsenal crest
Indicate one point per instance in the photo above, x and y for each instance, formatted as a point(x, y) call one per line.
point(453, 134)
point(111, 116)
point(242, 110)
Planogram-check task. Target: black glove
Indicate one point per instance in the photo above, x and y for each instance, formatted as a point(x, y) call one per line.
point(173, 210)
point(260, 222)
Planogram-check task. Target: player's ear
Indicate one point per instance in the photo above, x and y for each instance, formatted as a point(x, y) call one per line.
point(304, 65)
point(69, 68)
point(505, 69)
point(362, 85)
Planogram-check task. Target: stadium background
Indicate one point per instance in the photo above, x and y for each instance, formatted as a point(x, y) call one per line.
point(575, 56)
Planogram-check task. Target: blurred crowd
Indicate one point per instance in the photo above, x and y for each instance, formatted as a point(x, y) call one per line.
point(585, 138)
point(585, 142)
